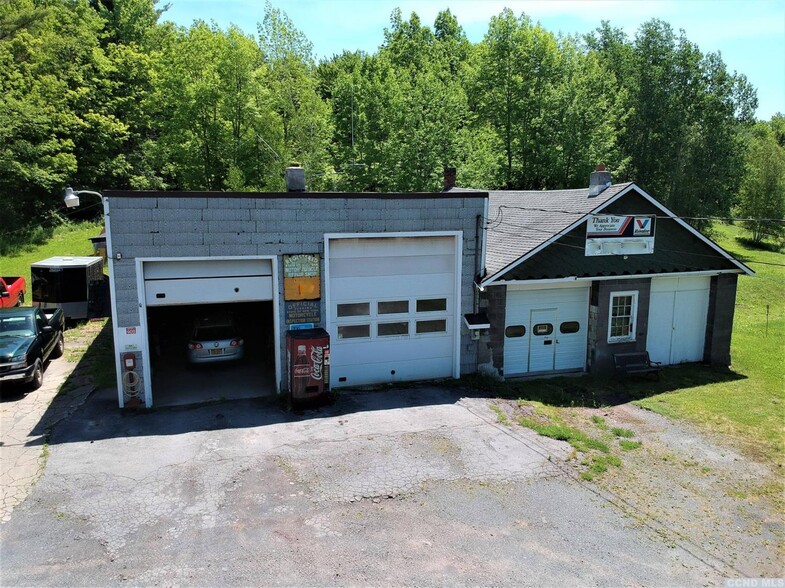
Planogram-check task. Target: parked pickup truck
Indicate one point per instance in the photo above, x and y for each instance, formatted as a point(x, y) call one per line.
point(12, 291)
point(28, 338)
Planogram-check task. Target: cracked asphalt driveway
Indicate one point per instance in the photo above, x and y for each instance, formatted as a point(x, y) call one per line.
point(406, 487)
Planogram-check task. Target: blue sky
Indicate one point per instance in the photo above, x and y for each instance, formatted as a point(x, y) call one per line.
point(750, 35)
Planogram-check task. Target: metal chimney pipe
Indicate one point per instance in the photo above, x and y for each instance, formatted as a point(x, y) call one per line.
point(599, 180)
point(295, 178)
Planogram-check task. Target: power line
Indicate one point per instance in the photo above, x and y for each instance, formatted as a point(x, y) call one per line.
point(659, 216)
point(497, 228)
point(564, 233)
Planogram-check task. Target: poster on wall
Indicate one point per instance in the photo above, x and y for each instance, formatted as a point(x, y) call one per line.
point(303, 311)
point(608, 234)
point(302, 288)
point(301, 277)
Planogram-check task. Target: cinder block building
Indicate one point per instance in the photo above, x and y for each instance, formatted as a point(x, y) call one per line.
point(388, 276)
point(410, 286)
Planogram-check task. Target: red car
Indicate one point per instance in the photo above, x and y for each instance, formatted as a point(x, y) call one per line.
point(12, 291)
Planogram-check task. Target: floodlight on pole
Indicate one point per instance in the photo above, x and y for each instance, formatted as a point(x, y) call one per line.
point(72, 196)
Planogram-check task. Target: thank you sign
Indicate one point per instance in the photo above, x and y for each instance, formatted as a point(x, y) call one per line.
point(610, 234)
point(608, 226)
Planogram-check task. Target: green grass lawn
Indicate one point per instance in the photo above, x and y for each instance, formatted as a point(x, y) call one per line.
point(68, 239)
point(751, 409)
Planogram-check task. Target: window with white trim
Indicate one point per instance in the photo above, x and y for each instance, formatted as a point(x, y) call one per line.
point(433, 326)
point(621, 316)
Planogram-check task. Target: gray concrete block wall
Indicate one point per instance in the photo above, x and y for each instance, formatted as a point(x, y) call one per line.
point(719, 325)
point(204, 227)
point(601, 351)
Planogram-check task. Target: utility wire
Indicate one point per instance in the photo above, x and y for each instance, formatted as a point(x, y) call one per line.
point(662, 216)
point(498, 229)
point(565, 234)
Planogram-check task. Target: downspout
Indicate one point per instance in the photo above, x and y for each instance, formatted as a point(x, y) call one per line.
point(476, 294)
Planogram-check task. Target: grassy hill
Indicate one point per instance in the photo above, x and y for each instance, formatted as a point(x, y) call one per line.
point(67, 239)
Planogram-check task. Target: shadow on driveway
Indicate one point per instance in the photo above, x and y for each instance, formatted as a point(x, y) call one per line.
point(99, 417)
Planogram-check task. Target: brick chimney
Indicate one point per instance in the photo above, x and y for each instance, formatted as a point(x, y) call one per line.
point(450, 174)
point(599, 180)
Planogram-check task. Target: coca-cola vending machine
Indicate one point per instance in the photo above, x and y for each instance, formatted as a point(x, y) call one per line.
point(308, 358)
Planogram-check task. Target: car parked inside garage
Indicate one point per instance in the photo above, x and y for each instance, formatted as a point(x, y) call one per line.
point(215, 338)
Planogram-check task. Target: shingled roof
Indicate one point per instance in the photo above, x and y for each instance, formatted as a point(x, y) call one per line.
point(521, 220)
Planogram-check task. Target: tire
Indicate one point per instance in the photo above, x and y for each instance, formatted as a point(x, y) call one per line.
point(38, 375)
point(59, 348)
point(21, 300)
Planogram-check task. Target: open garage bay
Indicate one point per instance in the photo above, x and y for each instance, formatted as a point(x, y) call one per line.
point(177, 381)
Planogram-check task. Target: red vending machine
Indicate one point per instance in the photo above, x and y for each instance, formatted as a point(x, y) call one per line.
point(308, 358)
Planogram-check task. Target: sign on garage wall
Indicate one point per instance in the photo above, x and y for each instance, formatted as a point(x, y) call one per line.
point(301, 277)
point(303, 311)
point(609, 234)
point(302, 288)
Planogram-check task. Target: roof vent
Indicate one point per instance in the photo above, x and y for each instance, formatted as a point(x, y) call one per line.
point(295, 178)
point(599, 181)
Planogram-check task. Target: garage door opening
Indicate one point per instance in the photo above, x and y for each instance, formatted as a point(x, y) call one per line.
point(195, 357)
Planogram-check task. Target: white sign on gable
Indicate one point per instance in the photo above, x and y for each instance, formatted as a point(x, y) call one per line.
point(609, 234)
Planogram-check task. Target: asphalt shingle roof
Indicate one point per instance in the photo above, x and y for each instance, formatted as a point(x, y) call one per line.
point(521, 220)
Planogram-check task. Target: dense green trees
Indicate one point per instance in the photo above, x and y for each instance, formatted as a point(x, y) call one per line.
point(762, 195)
point(102, 94)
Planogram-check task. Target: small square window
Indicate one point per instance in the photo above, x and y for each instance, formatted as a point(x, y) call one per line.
point(436, 326)
point(354, 331)
point(393, 307)
point(390, 329)
point(432, 305)
point(354, 309)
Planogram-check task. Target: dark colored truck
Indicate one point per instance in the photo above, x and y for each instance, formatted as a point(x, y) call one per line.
point(28, 338)
point(12, 291)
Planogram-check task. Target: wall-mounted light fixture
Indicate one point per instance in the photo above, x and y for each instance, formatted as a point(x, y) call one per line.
point(72, 196)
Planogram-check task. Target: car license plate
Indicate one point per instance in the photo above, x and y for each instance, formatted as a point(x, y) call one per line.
point(216, 351)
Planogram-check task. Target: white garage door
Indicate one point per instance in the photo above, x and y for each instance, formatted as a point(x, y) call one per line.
point(393, 308)
point(678, 310)
point(207, 281)
point(545, 330)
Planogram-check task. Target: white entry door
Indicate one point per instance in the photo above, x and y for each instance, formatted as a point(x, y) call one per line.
point(678, 310)
point(542, 340)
